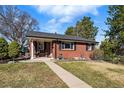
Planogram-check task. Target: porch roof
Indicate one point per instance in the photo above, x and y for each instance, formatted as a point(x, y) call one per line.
point(58, 36)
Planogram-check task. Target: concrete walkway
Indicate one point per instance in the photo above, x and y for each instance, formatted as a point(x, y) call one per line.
point(32, 60)
point(71, 80)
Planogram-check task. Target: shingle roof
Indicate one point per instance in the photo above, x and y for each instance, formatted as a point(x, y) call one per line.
point(58, 36)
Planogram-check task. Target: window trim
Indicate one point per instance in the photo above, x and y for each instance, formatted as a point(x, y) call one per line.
point(73, 47)
point(91, 47)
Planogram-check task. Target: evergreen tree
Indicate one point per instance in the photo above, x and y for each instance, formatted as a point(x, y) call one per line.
point(84, 28)
point(115, 33)
point(70, 31)
point(14, 49)
point(3, 48)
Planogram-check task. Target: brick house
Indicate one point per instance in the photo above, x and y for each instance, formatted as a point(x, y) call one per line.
point(55, 45)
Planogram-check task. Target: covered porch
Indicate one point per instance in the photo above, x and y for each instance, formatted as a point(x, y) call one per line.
point(40, 47)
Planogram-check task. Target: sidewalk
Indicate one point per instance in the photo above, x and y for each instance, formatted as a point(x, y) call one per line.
point(71, 80)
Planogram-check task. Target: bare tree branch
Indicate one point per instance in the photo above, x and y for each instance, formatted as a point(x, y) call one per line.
point(14, 24)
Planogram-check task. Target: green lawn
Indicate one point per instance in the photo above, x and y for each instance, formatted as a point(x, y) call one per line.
point(95, 74)
point(29, 75)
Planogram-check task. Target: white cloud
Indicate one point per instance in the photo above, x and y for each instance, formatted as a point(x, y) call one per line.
point(69, 12)
point(65, 14)
point(65, 19)
point(51, 26)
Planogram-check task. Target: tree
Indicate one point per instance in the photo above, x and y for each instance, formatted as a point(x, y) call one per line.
point(3, 48)
point(84, 28)
point(115, 33)
point(70, 31)
point(15, 23)
point(14, 49)
point(108, 47)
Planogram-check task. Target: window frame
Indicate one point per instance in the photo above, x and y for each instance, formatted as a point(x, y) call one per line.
point(89, 47)
point(39, 44)
point(72, 44)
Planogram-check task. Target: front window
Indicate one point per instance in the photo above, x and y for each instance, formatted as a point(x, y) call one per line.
point(67, 46)
point(41, 46)
point(89, 47)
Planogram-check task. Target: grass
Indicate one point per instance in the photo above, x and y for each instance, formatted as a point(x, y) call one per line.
point(117, 70)
point(90, 73)
point(29, 75)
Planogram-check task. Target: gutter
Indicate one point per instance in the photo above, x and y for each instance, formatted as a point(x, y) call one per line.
point(85, 41)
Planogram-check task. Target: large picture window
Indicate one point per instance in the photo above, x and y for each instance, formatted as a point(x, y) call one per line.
point(67, 46)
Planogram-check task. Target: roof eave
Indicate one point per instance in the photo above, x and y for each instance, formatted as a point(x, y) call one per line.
point(65, 39)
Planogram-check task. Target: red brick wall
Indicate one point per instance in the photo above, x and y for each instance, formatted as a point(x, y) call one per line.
point(80, 50)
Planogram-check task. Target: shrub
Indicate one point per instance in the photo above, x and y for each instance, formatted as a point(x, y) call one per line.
point(14, 49)
point(112, 58)
point(107, 58)
point(97, 54)
point(3, 48)
point(116, 60)
point(121, 59)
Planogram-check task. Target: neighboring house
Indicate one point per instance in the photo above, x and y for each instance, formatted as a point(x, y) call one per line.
point(56, 45)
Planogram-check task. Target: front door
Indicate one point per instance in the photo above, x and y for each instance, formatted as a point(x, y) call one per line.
point(42, 49)
point(47, 48)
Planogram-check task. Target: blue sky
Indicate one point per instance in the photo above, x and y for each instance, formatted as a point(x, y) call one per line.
point(58, 18)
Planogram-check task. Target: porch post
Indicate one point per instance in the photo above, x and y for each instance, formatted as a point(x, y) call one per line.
point(32, 49)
